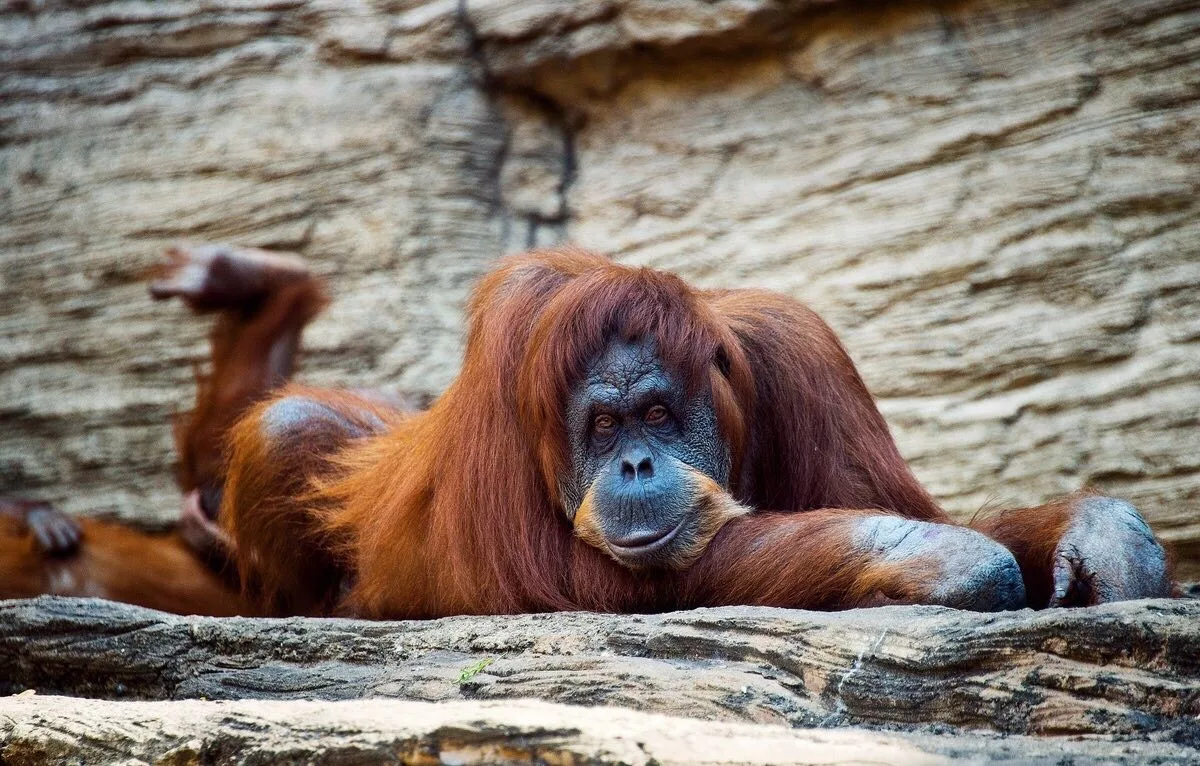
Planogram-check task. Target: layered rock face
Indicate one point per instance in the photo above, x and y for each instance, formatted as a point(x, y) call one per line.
point(1112, 684)
point(994, 203)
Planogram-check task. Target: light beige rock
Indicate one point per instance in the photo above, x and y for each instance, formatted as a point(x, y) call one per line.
point(996, 205)
point(37, 728)
point(281, 124)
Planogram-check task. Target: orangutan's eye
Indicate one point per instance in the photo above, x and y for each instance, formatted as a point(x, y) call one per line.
point(656, 415)
point(603, 424)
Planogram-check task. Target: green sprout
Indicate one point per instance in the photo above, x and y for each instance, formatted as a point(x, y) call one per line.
point(474, 669)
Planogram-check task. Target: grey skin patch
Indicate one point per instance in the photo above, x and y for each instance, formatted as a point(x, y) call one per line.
point(293, 415)
point(640, 468)
point(621, 381)
point(977, 573)
point(1108, 554)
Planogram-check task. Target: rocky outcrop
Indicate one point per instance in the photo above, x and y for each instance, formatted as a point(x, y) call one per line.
point(1127, 670)
point(995, 204)
point(1120, 682)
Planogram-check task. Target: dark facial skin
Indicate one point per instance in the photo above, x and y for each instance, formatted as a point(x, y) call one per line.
point(634, 435)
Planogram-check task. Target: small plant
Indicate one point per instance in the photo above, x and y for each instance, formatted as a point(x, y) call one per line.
point(474, 669)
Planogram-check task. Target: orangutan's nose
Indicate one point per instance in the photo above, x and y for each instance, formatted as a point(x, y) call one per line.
point(643, 469)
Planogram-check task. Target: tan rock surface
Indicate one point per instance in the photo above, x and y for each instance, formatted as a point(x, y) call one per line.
point(995, 203)
point(1119, 684)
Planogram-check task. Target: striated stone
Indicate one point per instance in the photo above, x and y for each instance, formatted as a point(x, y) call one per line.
point(994, 203)
point(904, 684)
point(1125, 671)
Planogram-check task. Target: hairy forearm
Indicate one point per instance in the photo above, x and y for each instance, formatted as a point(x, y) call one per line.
point(836, 558)
point(806, 560)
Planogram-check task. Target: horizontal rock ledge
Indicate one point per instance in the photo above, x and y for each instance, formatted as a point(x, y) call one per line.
point(1128, 671)
point(37, 729)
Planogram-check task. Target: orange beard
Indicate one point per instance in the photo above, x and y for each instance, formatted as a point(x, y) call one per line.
point(712, 507)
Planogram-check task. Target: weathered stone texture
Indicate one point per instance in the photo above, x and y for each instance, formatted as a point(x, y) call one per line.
point(1127, 670)
point(38, 730)
point(1119, 682)
point(995, 202)
point(128, 125)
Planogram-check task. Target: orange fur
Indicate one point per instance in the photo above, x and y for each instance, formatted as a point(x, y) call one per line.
point(241, 373)
point(118, 563)
point(263, 312)
point(369, 511)
point(455, 510)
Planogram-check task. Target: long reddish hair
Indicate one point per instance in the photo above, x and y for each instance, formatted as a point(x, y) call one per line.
point(456, 510)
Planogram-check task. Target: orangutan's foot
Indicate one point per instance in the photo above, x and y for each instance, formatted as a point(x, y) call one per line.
point(209, 277)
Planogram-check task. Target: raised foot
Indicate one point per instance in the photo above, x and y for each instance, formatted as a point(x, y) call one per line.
point(918, 562)
point(55, 533)
point(211, 277)
point(1108, 553)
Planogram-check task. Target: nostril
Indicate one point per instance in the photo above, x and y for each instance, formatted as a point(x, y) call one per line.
point(627, 470)
point(645, 469)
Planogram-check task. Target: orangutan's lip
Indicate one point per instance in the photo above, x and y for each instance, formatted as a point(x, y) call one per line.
point(641, 552)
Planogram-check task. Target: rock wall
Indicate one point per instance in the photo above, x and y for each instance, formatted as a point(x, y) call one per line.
point(993, 201)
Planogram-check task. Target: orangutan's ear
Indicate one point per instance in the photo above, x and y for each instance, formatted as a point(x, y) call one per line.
point(721, 360)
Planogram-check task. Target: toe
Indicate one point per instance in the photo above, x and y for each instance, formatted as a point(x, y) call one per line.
point(66, 536)
point(1074, 582)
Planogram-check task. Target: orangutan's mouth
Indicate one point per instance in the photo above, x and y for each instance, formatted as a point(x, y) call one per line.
point(641, 549)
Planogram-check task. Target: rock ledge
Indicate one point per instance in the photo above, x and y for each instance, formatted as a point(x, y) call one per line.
point(1118, 681)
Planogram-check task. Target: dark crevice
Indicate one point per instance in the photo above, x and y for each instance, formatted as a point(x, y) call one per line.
point(497, 91)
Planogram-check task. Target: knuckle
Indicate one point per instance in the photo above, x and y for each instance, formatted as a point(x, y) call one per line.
point(998, 565)
point(1100, 510)
point(987, 579)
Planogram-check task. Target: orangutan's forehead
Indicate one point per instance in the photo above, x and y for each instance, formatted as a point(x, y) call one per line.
point(626, 368)
point(621, 352)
